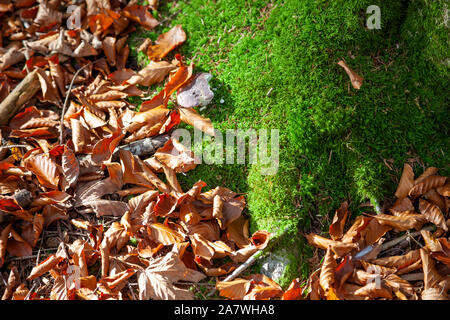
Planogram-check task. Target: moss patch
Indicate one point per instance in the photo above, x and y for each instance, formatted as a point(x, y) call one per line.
point(336, 143)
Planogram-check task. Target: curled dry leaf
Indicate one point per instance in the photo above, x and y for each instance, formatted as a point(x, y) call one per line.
point(374, 291)
point(427, 184)
point(406, 182)
point(336, 229)
point(327, 277)
point(398, 262)
point(44, 267)
point(432, 213)
point(12, 283)
point(355, 79)
point(339, 248)
point(153, 73)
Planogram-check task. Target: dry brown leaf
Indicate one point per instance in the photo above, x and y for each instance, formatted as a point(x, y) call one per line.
point(44, 267)
point(336, 229)
point(164, 234)
point(45, 169)
point(431, 171)
point(401, 223)
point(166, 42)
point(427, 184)
point(12, 283)
point(339, 248)
point(432, 213)
point(406, 182)
point(154, 72)
point(235, 289)
point(374, 291)
point(141, 15)
point(327, 272)
point(191, 117)
point(176, 156)
point(3, 242)
point(431, 276)
point(355, 79)
point(156, 282)
point(398, 262)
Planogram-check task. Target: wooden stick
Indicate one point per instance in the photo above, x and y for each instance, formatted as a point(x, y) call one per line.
point(21, 94)
point(392, 243)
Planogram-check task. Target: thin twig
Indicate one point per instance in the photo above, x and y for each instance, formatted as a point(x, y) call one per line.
point(61, 125)
point(392, 243)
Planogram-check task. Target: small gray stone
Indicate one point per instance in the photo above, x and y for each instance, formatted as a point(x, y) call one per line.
point(275, 264)
point(197, 93)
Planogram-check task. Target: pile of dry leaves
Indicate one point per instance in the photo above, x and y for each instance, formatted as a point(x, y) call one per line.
point(362, 264)
point(90, 205)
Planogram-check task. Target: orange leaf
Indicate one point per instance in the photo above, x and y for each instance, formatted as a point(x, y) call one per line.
point(166, 42)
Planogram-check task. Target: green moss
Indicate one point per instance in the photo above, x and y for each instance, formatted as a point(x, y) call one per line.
point(335, 141)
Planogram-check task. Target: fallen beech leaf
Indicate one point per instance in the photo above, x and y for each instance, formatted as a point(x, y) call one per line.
point(435, 198)
point(339, 248)
point(336, 229)
point(45, 170)
point(427, 184)
point(115, 237)
point(235, 289)
point(176, 81)
point(373, 232)
point(398, 284)
point(109, 48)
point(12, 283)
point(344, 270)
point(153, 73)
point(3, 242)
point(430, 241)
point(376, 269)
point(373, 291)
point(294, 291)
point(434, 294)
point(201, 246)
point(33, 230)
point(164, 234)
point(431, 276)
point(406, 182)
point(432, 213)
point(176, 156)
point(398, 262)
point(141, 15)
point(237, 231)
point(191, 117)
point(401, 223)
point(431, 171)
point(62, 290)
point(70, 166)
point(166, 42)
point(208, 229)
point(403, 205)
point(327, 277)
point(18, 246)
point(444, 190)
point(117, 281)
point(354, 233)
point(156, 282)
point(44, 267)
point(355, 79)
